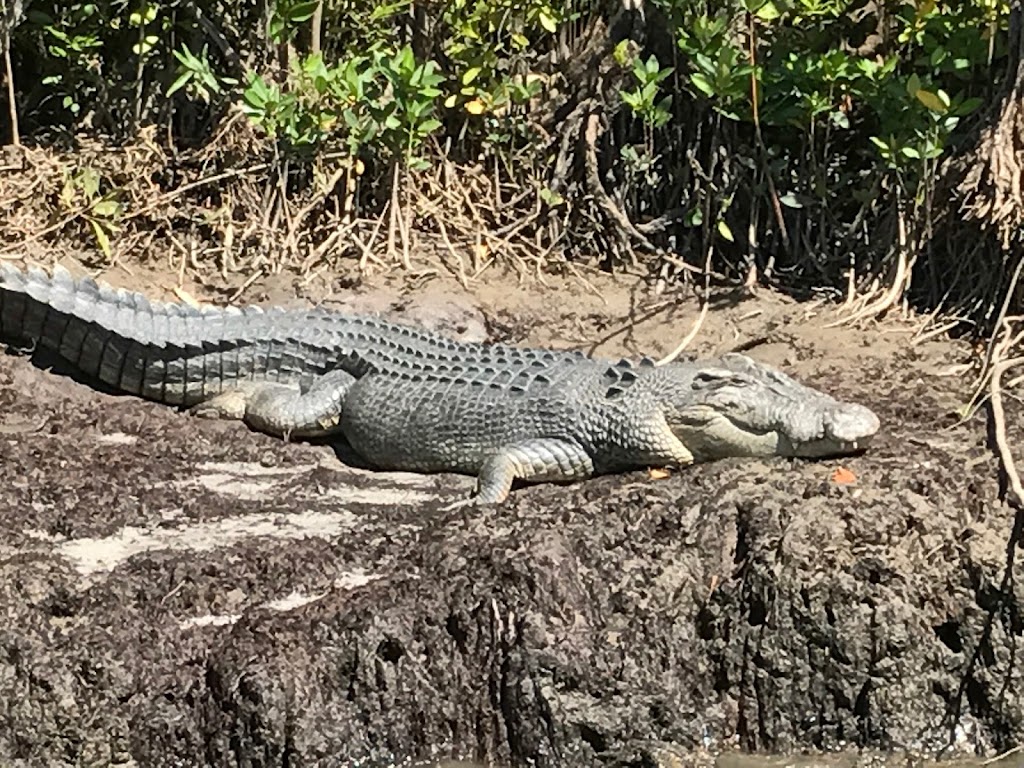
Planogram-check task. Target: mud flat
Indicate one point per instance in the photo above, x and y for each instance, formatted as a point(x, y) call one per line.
point(188, 593)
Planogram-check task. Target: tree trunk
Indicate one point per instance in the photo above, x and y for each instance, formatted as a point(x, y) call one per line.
point(990, 186)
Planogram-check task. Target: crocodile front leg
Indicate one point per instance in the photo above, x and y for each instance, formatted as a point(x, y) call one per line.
point(283, 410)
point(537, 460)
point(555, 460)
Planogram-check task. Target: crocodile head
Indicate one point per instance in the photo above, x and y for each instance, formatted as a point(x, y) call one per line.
point(734, 406)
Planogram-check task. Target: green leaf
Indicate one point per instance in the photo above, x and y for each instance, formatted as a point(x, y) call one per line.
point(701, 81)
point(145, 45)
point(470, 75)
point(768, 12)
point(621, 52)
point(106, 208)
point(183, 78)
point(933, 101)
point(550, 198)
point(913, 85)
point(351, 120)
point(968, 105)
point(724, 231)
point(302, 11)
point(90, 182)
point(547, 21)
point(790, 201)
point(102, 240)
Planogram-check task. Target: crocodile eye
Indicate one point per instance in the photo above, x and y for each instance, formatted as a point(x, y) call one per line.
point(718, 379)
point(707, 378)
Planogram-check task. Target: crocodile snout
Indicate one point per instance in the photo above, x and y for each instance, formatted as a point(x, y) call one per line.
point(851, 423)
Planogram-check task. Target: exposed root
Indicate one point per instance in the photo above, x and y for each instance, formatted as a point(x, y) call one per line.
point(1008, 337)
point(873, 305)
point(1015, 494)
point(623, 227)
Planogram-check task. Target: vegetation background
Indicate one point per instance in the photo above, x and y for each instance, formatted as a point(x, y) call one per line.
point(867, 150)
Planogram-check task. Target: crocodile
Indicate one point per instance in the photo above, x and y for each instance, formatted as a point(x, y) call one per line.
point(280, 366)
point(410, 400)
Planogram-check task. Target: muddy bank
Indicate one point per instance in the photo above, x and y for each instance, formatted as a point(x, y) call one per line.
point(182, 592)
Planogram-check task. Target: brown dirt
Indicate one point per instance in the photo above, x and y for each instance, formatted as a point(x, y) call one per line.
point(185, 592)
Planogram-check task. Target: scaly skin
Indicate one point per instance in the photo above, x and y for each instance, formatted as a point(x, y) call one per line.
point(267, 367)
point(406, 399)
point(565, 422)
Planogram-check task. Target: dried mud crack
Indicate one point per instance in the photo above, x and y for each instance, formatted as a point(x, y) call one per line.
point(183, 593)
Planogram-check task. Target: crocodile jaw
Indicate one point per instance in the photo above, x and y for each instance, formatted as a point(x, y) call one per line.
point(839, 429)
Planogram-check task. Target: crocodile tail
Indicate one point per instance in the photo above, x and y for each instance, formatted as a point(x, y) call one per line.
point(36, 307)
point(102, 331)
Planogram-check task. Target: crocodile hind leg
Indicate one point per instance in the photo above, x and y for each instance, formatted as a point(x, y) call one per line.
point(283, 410)
point(537, 460)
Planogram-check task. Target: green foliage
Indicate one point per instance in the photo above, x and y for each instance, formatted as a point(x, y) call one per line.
point(286, 16)
point(196, 74)
point(489, 47)
point(71, 39)
point(643, 100)
point(385, 98)
point(97, 54)
point(81, 194)
point(806, 80)
point(801, 104)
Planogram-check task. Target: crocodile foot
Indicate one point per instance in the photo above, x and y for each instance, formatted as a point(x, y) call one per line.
point(227, 405)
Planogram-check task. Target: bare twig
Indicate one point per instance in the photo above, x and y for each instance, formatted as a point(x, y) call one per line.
point(256, 275)
point(461, 273)
point(12, 104)
point(900, 282)
point(316, 28)
point(43, 232)
point(185, 188)
point(367, 249)
point(688, 339)
point(24, 428)
point(1003, 755)
point(704, 304)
